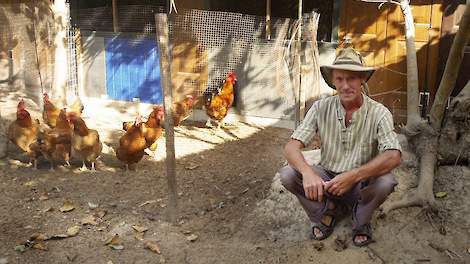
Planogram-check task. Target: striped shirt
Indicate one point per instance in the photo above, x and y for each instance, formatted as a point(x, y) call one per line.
point(344, 148)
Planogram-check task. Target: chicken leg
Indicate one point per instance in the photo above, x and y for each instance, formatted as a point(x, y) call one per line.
point(209, 123)
point(83, 168)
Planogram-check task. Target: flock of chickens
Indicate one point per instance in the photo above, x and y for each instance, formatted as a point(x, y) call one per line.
point(64, 134)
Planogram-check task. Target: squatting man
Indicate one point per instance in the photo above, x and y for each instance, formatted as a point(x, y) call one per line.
point(359, 149)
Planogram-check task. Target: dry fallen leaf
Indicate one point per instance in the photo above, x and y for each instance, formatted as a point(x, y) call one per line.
point(192, 237)
point(89, 220)
point(116, 247)
point(441, 194)
point(100, 214)
point(72, 258)
point(192, 167)
point(59, 236)
point(140, 229)
point(73, 231)
point(154, 247)
point(67, 207)
point(92, 205)
point(38, 237)
point(48, 209)
point(20, 248)
point(147, 202)
point(30, 183)
point(40, 246)
point(43, 197)
point(114, 242)
point(139, 236)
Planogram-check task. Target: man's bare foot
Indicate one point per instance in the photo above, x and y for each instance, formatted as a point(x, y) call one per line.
point(359, 239)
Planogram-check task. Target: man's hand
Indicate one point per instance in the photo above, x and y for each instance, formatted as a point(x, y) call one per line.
point(342, 183)
point(313, 186)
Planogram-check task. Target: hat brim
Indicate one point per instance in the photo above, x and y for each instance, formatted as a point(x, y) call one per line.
point(326, 71)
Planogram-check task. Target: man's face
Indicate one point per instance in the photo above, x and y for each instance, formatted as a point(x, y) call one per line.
point(348, 85)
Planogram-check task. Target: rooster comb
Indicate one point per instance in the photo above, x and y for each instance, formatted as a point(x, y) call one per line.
point(21, 103)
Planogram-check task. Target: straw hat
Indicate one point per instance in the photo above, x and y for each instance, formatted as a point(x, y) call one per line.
point(346, 59)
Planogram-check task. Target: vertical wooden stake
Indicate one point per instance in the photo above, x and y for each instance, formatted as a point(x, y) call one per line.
point(161, 25)
point(268, 19)
point(115, 17)
point(301, 109)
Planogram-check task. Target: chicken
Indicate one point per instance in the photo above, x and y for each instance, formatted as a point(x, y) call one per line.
point(62, 130)
point(218, 103)
point(182, 110)
point(35, 152)
point(153, 129)
point(52, 145)
point(77, 107)
point(51, 112)
point(85, 142)
point(24, 131)
point(132, 144)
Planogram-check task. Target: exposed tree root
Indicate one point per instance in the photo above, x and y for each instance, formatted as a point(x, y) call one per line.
point(423, 195)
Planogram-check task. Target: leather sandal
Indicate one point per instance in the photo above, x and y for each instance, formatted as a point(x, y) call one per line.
point(325, 229)
point(364, 230)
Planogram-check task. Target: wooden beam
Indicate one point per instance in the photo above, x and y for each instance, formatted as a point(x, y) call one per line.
point(161, 25)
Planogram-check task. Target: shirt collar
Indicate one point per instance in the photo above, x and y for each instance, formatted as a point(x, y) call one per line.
point(341, 112)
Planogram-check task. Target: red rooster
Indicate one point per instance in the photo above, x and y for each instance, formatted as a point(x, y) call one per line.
point(217, 103)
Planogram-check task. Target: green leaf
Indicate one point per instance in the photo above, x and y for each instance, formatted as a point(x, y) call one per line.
point(441, 194)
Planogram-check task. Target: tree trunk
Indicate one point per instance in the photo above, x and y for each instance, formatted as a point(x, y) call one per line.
point(428, 136)
point(412, 83)
point(454, 143)
point(451, 70)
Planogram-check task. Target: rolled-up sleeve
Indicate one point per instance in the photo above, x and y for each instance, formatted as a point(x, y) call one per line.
point(308, 127)
point(387, 138)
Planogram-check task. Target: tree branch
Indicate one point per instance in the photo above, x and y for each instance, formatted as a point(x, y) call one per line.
point(451, 70)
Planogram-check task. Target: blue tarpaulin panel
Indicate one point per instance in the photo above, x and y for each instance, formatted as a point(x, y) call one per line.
point(133, 69)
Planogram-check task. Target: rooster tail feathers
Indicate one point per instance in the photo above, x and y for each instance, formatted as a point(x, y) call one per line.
point(208, 98)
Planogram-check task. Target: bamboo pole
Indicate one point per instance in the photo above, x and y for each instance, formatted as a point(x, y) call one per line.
point(161, 26)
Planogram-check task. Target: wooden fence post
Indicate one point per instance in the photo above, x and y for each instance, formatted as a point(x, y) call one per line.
point(161, 25)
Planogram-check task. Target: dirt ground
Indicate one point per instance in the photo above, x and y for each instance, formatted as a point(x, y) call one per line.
point(231, 208)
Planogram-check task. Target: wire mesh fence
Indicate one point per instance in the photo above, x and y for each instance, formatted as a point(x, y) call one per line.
point(207, 45)
point(73, 35)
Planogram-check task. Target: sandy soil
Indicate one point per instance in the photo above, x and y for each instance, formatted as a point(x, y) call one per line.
point(231, 207)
